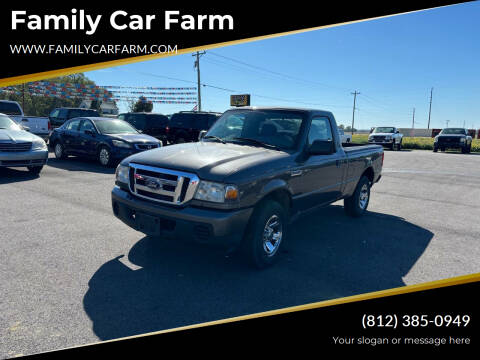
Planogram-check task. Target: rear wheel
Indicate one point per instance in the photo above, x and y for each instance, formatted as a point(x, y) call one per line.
point(35, 169)
point(265, 234)
point(357, 204)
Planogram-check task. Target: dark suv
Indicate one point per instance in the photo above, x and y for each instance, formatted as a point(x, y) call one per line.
point(453, 138)
point(155, 125)
point(58, 116)
point(185, 126)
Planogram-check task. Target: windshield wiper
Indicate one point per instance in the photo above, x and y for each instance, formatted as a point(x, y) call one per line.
point(258, 142)
point(215, 138)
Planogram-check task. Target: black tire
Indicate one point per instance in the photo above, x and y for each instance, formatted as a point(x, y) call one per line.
point(399, 146)
point(59, 151)
point(260, 251)
point(104, 156)
point(354, 205)
point(442, 149)
point(35, 169)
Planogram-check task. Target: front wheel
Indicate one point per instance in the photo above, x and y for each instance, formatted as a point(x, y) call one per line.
point(59, 151)
point(265, 234)
point(357, 204)
point(104, 156)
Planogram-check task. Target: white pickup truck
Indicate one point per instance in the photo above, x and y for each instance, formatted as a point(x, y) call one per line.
point(39, 126)
point(346, 138)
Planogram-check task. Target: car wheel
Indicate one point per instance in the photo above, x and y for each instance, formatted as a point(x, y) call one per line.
point(104, 156)
point(265, 234)
point(35, 169)
point(399, 146)
point(442, 149)
point(357, 204)
point(59, 151)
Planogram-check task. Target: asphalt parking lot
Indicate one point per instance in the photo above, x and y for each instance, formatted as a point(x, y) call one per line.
point(73, 274)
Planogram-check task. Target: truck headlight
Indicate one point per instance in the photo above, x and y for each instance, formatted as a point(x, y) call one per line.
point(216, 192)
point(462, 140)
point(121, 144)
point(121, 174)
point(39, 145)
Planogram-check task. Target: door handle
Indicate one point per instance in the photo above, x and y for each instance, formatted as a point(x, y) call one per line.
point(296, 172)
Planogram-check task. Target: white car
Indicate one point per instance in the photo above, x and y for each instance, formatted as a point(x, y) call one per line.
point(387, 136)
point(39, 126)
point(346, 138)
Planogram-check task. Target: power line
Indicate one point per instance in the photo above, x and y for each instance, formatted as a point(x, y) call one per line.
point(278, 73)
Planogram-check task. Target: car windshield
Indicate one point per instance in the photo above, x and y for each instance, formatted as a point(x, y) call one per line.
point(8, 124)
point(390, 130)
point(453, 131)
point(115, 127)
point(10, 108)
point(275, 128)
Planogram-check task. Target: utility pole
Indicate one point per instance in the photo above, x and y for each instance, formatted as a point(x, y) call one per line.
point(413, 119)
point(197, 65)
point(355, 93)
point(447, 121)
point(430, 111)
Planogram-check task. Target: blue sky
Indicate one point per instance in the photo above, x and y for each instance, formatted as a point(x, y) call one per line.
point(393, 62)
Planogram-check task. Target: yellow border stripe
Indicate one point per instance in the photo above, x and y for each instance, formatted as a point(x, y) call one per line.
point(102, 65)
point(465, 279)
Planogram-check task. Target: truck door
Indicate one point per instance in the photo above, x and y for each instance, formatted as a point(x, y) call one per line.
point(320, 176)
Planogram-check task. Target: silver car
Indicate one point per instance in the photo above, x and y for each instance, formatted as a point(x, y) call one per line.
point(19, 148)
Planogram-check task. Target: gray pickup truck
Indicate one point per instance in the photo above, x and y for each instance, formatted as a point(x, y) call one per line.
point(248, 178)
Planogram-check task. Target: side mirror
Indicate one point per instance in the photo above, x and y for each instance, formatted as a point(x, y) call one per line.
point(397, 131)
point(90, 132)
point(201, 134)
point(321, 147)
point(26, 128)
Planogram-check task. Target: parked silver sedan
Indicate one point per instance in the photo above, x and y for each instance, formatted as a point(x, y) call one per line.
point(19, 148)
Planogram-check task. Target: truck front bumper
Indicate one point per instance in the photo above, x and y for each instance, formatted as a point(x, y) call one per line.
point(23, 158)
point(225, 228)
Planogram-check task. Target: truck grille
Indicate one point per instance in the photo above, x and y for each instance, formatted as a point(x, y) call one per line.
point(15, 147)
point(379, 138)
point(162, 185)
point(448, 140)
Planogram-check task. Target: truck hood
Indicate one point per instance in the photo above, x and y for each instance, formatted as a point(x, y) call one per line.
point(209, 160)
point(382, 134)
point(16, 136)
point(451, 135)
point(135, 138)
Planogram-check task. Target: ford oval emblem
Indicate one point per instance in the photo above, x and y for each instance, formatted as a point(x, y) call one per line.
point(153, 184)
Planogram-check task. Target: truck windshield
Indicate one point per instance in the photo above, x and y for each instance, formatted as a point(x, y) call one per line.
point(9, 108)
point(277, 128)
point(390, 130)
point(115, 127)
point(7, 123)
point(453, 131)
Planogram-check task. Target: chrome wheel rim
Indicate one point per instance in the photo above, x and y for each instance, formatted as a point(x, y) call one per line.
point(104, 156)
point(272, 235)
point(363, 199)
point(58, 151)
